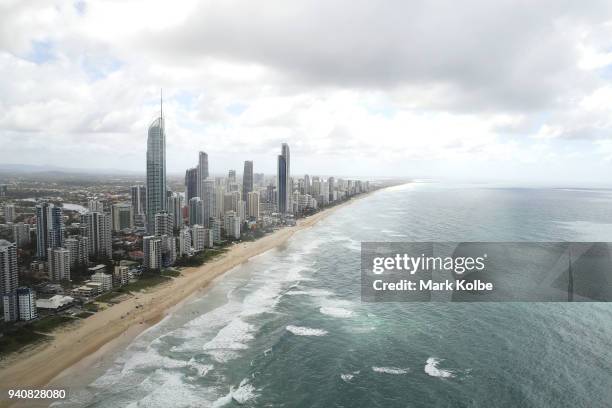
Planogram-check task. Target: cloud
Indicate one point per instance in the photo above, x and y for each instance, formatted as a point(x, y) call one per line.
point(387, 85)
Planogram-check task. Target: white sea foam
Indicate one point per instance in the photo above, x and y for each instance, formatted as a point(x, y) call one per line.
point(202, 369)
point(164, 386)
point(431, 368)
point(196, 331)
point(390, 370)
point(306, 331)
point(346, 377)
point(150, 358)
point(349, 376)
point(353, 245)
point(336, 312)
point(261, 300)
point(310, 292)
point(232, 337)
point(243, 394)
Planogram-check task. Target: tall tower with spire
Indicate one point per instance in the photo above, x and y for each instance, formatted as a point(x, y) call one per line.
point(156, 168)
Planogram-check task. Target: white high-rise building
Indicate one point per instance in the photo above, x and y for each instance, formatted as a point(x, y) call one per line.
point(175, 209)
point(94, 205)
point(232, 225)
point(9, 212)
point(253, 204)
point(26, 304)
point(78, 246)
point(209, 203)
point(202, 173)
point(104, 279)
point(202, 238)
point(220, 201)
point(215, 227)
point(59, 264)
point(156, 170)
point(168, 250)
point(152, 249)
point(184, 242)
point(21, 234)
point(163, 224)
point(98, 226)
point(121, 275)
point(9, 279)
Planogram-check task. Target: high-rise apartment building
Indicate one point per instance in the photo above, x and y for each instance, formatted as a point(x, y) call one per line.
point(78, 246)
point(156, 170)
point(123, 217)
point(247, 179)
point(175, 209)
point(9, 212)
point(209, 203)
point(202, 172)
point(49, 228)
point(21, 234)
point(98, 227)
point(163, 224)
point(59, 264)
point(152, 249)
point(138, 194)
point(191, 183)
point(283, 181)
point(8, 279)
point(253, 205)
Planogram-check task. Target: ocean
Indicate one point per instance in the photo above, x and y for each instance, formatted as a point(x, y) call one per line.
point(288, 328)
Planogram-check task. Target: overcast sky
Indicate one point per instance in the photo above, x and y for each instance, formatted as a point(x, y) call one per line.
point(506, 90)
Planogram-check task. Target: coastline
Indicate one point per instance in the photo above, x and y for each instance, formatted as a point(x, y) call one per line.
point(124, 321)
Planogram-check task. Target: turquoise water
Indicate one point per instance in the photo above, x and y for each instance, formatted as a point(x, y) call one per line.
point(288, 327)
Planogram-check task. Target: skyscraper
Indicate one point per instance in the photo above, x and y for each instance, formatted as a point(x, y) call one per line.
point(195, 211)
point(209, 203)
point(9, 212)
point(163, 224)
point(79, 250)
point(8, 279)
point(253, 205)
point(21, 234)
point(202, 172)
point(283, 182)
point(247, 179)
point(123, 217)
point(156, 170)
point(152, 249)
point(59, 264)
point(49, 228)
point(139, 198)
point(175, 209)
point(99, 234)
point(191, 183)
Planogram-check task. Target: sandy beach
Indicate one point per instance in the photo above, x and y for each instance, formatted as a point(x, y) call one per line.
point(38, 367)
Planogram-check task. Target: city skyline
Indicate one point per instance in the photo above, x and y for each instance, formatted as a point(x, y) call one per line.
point(533, 103)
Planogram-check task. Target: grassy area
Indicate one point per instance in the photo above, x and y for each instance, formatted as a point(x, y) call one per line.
point(17, 339)
point(201, 258)
point(108, 296)
point(91, 307)
point(50, 323)
point(84, 315)
point(171, 272)
point(145, 281)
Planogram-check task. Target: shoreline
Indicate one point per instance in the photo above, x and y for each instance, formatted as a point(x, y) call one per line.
point(124, 321)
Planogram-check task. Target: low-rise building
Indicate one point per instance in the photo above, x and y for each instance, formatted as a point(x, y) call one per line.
point(55, 303)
